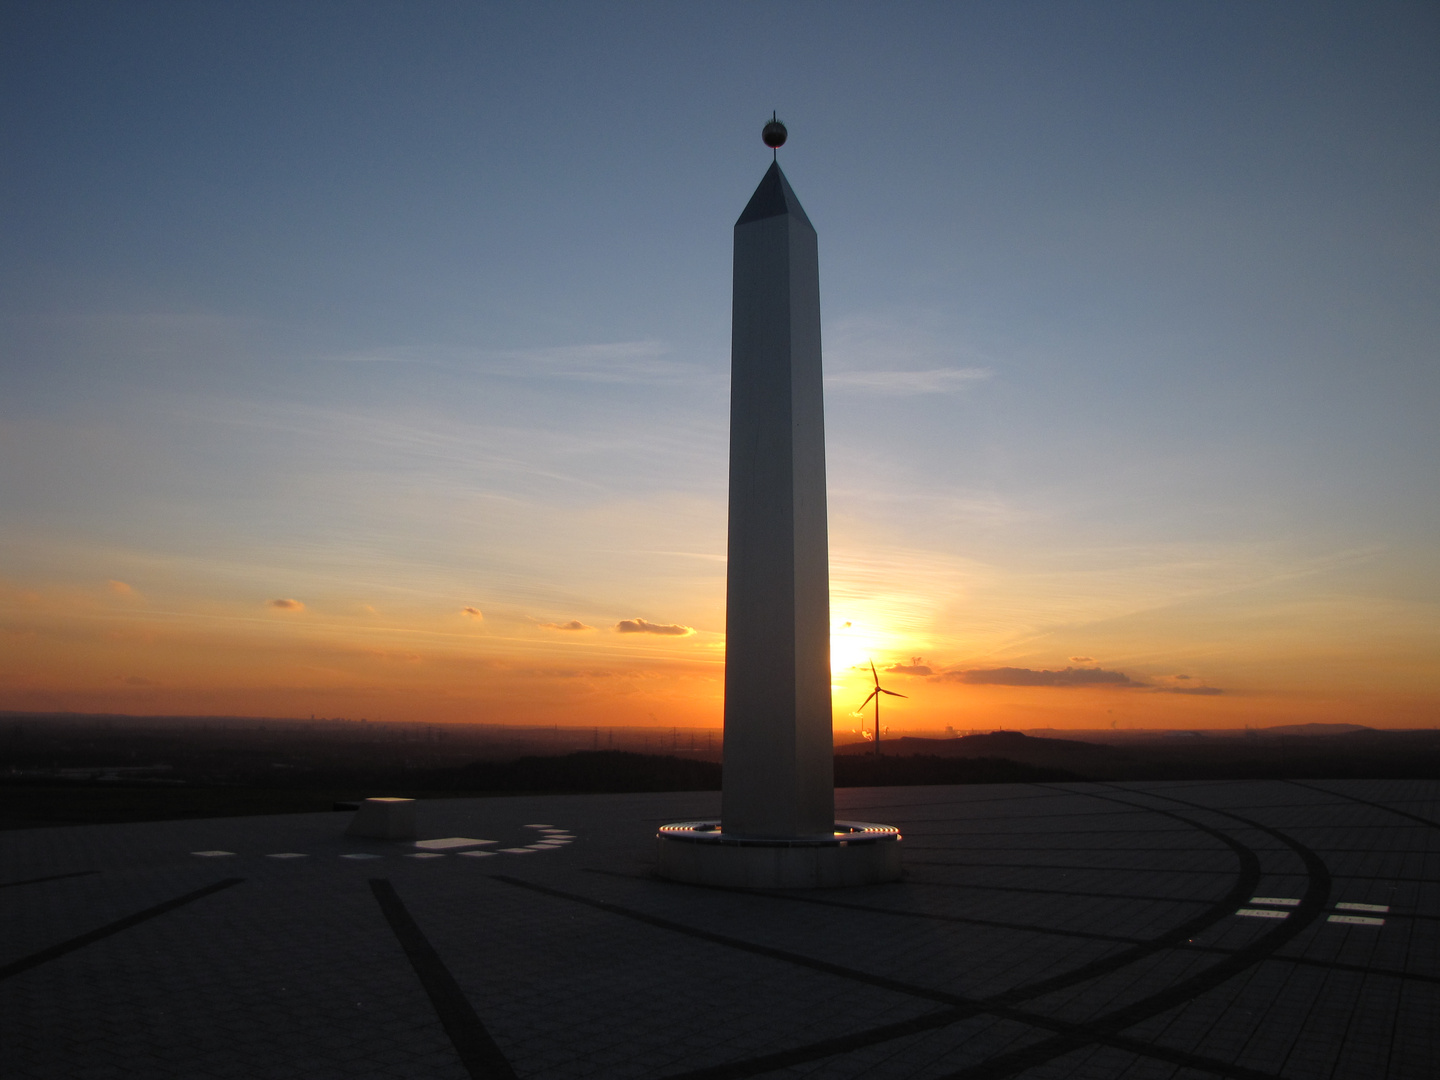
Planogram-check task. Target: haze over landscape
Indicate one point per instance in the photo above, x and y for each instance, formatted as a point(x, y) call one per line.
point(372, 360)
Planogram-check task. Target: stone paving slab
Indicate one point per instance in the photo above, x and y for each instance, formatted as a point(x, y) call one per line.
point(1072, 930)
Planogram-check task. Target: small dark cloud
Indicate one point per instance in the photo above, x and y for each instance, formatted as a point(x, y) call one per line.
point(573, 624)
point(1182, 676)
point(1013, 676)
point(473, 612)
point(911, 669)
point(1203, 690)
point(642, 626)
point(286, 604)
point(1082, 659)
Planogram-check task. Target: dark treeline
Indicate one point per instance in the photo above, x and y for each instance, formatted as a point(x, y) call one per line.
point(30, 801)
point(246, 750)
point(298, 754)
point(100, 769)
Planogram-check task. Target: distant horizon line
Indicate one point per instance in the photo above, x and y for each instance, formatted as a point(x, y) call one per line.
point(899, 733)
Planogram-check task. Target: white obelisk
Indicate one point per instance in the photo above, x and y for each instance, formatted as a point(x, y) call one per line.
point(779, 771)
point(777, 827)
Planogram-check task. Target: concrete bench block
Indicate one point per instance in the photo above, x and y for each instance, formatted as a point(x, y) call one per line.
point(384, 819)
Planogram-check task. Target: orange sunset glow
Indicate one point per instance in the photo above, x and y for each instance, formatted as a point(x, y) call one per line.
point(118, 646)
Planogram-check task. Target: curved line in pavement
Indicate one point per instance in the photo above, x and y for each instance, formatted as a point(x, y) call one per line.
point(1366, 802)
point(1311, 907)
point(1243, 888)
point(1108, 1028)
point(1066, 866)
point(1247, 878)
point(960, 1008)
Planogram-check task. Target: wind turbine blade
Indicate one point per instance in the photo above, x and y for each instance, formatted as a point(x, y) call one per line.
point(872, 672)
point(891, 692)
point(866, 701)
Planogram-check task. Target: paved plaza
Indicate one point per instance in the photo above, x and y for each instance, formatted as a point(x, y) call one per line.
point(1245, 929)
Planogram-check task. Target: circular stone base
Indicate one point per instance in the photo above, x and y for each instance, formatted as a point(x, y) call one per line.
point(857, 853)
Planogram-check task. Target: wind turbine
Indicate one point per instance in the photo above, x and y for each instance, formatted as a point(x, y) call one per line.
point(876, 695)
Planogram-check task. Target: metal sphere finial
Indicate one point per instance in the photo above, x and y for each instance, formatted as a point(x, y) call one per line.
point(774, 133)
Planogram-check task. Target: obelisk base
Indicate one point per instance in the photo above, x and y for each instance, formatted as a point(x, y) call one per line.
point(857, 853)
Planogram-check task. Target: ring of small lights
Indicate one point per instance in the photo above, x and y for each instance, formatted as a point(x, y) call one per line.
point(846, 834)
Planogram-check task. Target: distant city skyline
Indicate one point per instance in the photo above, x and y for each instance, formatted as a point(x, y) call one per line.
point(372, 359)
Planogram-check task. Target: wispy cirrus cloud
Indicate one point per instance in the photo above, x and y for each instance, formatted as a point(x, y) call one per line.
point(907, 383)
point(644, 361)
point(644, 626)
point(620, 361)
point(903, 354)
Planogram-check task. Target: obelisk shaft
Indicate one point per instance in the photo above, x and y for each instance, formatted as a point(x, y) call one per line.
point(779, 770)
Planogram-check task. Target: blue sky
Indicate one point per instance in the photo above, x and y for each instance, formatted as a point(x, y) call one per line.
point(397, 309)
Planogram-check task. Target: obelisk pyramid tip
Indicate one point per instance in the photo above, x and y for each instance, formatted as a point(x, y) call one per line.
point(773, 198)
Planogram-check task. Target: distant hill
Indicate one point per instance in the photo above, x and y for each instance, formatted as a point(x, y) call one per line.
point(1315, 729)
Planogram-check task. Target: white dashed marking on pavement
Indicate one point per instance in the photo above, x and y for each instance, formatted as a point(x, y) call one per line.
point(1356, 920)
point(553, 837)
